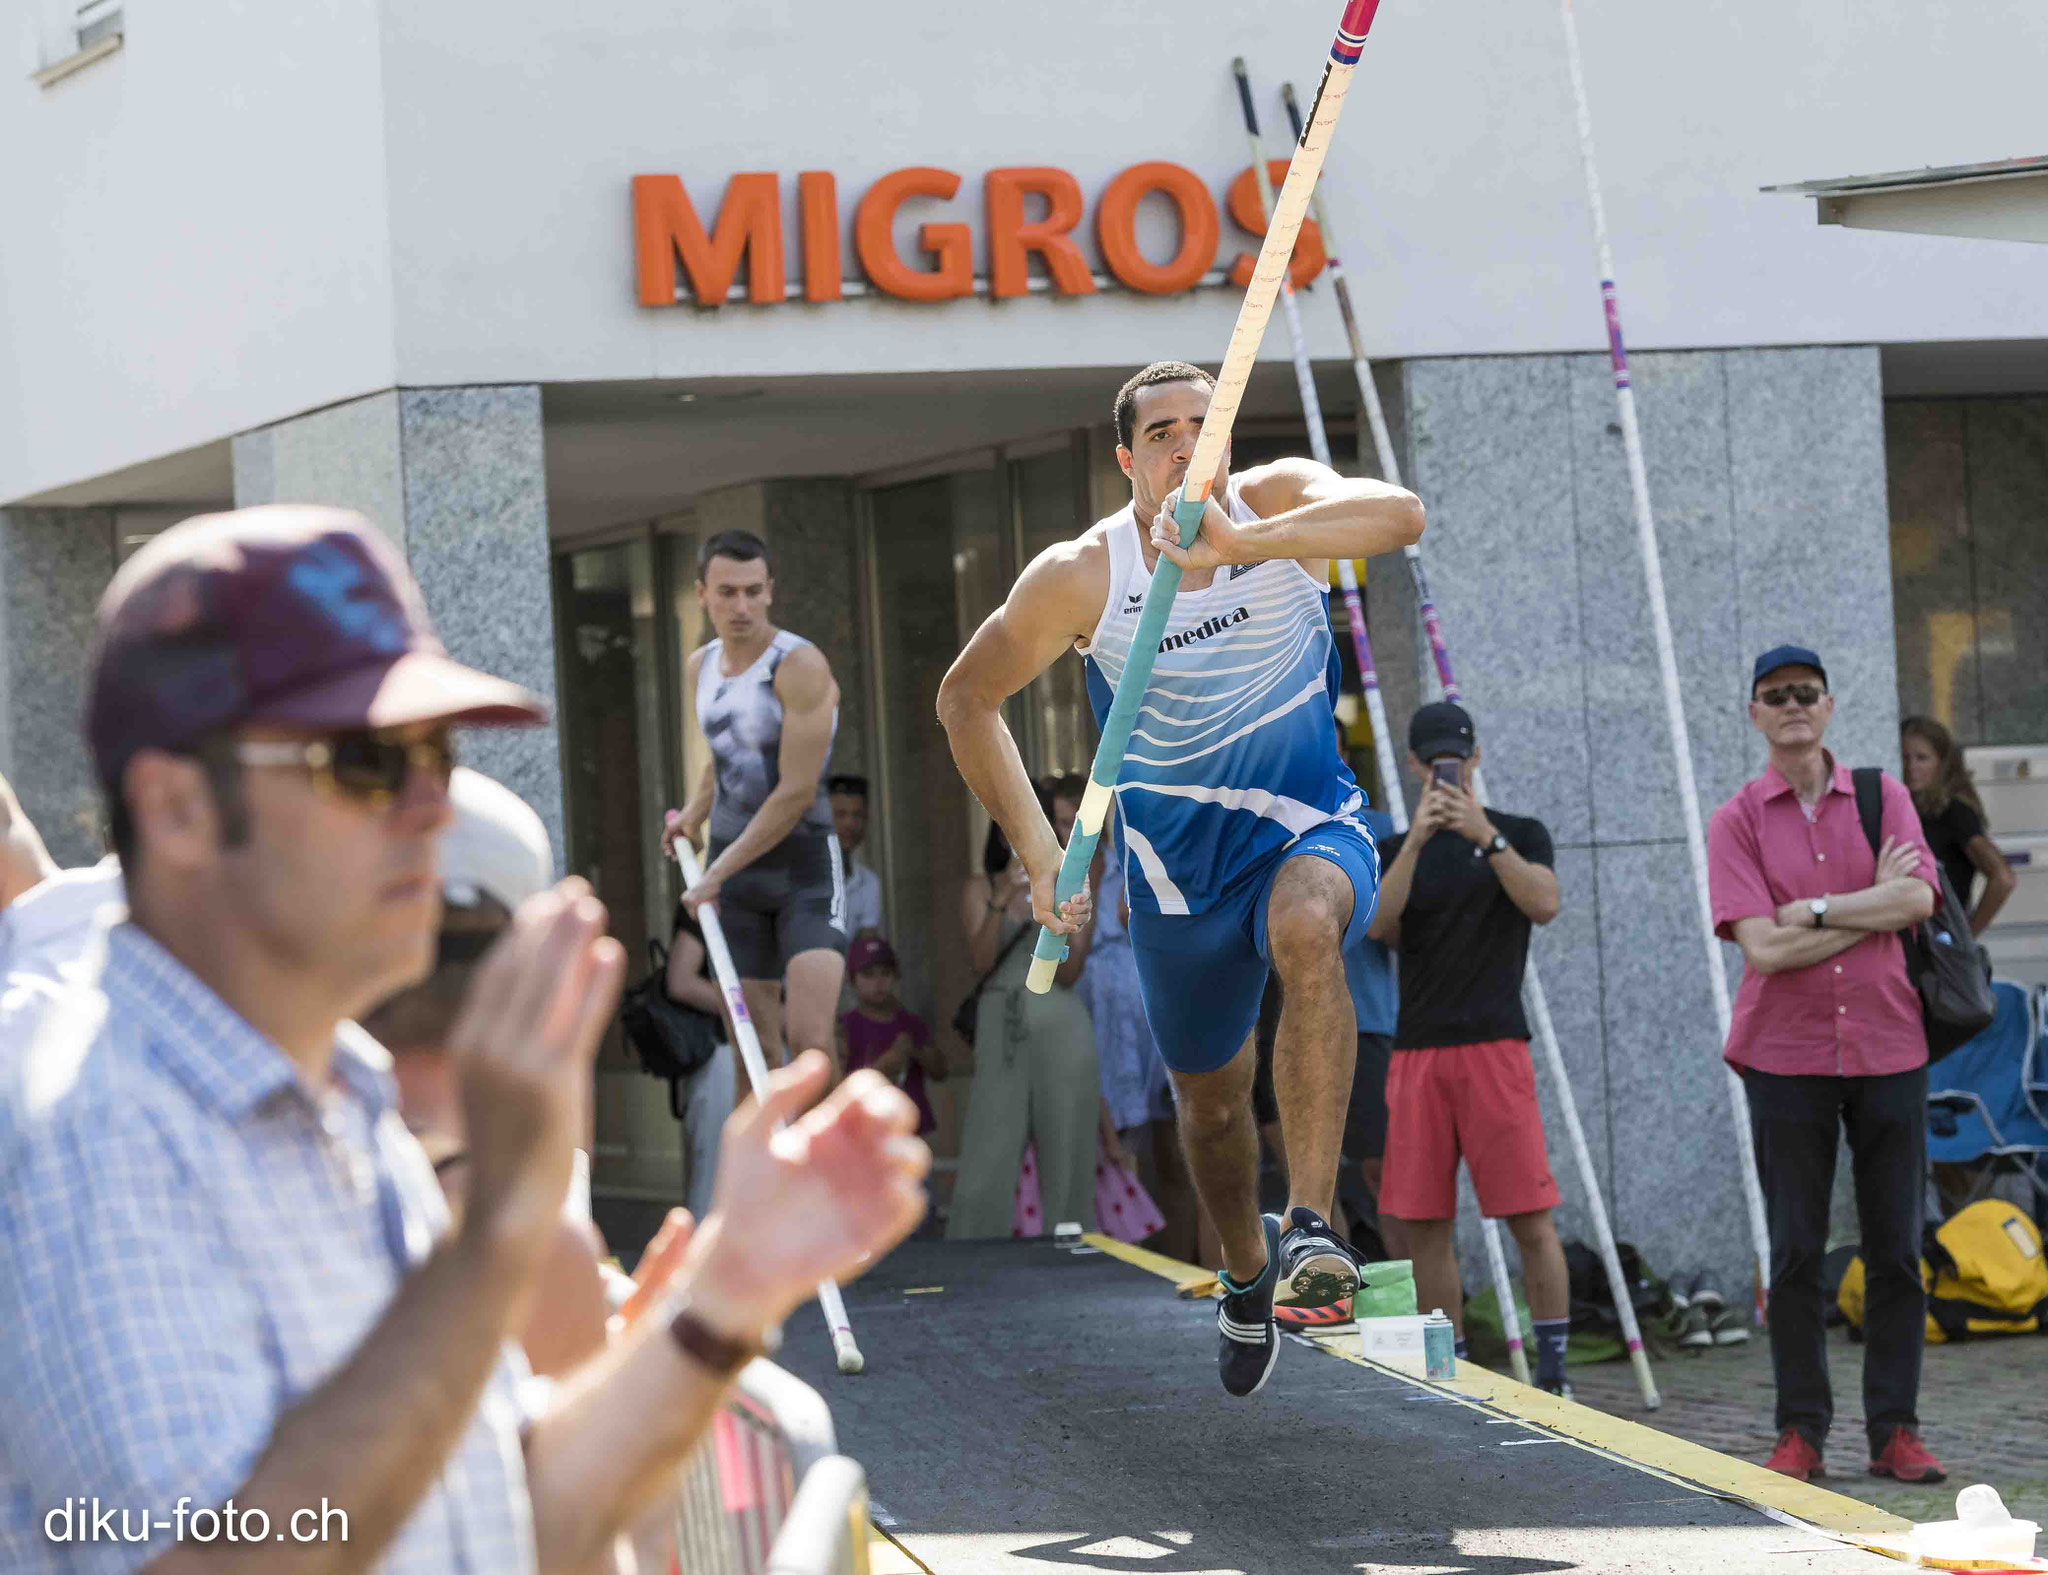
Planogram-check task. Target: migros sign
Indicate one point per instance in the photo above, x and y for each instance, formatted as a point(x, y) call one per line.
point(676, 252)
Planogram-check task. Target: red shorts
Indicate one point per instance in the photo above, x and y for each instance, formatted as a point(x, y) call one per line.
point(1475, 1101)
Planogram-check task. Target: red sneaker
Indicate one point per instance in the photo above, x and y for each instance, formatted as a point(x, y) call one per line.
point(1314, 1320)
point(1906, 1458)
point(1796, 1457)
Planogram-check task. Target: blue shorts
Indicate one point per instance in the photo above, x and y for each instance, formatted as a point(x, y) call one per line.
point(1202, 973)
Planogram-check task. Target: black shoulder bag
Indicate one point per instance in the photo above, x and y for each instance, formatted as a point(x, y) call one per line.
point(1943, 960)
point(671, 1041)
point(968, 1016)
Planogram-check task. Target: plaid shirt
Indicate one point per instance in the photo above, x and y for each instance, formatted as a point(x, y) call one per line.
point(190, 1242)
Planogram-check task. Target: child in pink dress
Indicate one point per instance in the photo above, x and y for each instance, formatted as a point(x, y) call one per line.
point(882, 1033)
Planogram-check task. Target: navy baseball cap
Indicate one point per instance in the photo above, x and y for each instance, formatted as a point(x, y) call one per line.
point(288, 614)
point(1785, 656)
point(1438, 729)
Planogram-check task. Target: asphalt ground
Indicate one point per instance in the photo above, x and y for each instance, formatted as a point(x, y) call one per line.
point(1025, 1407)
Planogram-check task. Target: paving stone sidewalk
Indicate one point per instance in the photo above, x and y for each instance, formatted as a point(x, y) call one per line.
point(1983, 1411)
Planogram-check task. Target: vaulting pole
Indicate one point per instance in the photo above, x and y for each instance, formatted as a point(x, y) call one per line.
point(1361, 643)
point(1252, 316)
point(1534, 998)
point(1667, 658)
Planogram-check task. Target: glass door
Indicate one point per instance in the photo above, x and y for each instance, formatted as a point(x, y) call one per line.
point(616, 754)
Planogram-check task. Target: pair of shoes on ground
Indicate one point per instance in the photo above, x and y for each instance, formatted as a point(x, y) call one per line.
point(1308, 1266)
point(1904, 1458)
point(1701, 1317)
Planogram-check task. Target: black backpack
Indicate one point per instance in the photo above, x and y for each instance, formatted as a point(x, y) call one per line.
point(671, 1041)
point(1945, 964)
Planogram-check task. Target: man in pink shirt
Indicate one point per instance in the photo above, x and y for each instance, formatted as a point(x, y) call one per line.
point(1827, 1037)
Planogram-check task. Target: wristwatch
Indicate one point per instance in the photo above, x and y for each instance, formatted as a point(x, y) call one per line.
point(1499, 844)
point(1819, 909)
point(718, 1354)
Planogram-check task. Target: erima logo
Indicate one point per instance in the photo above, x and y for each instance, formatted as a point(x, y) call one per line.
point(1204, 629)
point(1241, 568)
point(1133, 603)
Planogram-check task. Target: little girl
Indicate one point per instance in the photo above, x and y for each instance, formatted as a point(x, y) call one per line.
point(882, 1033)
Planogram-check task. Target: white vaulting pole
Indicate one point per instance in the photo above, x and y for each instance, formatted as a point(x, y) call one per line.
point(829, 1300)
point(1667, 658)
point(1252, 316)
point(1537, 1002)
point(1368, 674)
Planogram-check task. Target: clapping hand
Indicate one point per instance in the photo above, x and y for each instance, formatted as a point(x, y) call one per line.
point(523, 1046)
point(804, 1195)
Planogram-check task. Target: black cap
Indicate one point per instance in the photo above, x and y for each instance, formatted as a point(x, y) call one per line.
point(1441, 728)
point(1785, 656)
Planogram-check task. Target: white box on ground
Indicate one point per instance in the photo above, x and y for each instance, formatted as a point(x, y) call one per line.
point(1395, 1343)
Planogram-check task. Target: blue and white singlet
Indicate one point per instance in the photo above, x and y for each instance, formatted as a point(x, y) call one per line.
point(1235, 751)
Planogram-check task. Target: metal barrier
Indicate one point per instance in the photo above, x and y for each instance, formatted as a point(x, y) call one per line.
point(767, 1493)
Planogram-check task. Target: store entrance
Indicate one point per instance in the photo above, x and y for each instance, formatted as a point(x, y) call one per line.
point(936, 553)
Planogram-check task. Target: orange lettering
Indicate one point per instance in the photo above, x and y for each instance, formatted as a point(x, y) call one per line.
point(1243, 197)
point(817, 198)
point(665, 226)
point(1116, 229)
point(1011, 239)
point(949, 244)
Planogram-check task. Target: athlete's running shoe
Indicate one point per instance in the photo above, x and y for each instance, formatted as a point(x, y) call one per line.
point(1316, 1264)
point(1249, 1343)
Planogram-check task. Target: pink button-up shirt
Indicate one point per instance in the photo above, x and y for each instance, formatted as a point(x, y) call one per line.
point(1857, 1014)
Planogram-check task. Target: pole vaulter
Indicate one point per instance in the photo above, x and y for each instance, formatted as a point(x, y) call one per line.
point(1361, 644)
point(1238, 360)
point(1532, 985)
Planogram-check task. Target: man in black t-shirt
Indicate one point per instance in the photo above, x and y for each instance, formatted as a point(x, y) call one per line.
point(1461, 890)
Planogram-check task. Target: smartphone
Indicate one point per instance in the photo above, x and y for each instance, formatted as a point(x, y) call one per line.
point(1446, 771)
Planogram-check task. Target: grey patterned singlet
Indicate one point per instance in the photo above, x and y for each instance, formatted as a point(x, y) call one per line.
point(742, 720)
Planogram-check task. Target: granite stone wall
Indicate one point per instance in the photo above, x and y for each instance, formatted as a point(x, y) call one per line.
point(1767, 476)
point(456, 476)
point(54, 563)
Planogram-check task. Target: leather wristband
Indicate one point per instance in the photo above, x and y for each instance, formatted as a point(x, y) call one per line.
point(716, 1353)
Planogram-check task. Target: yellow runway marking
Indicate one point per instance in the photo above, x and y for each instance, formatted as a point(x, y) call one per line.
point(1692, 1464)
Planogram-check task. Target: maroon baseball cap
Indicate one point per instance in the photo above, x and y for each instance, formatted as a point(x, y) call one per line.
point(289, 614)
point(870, 951)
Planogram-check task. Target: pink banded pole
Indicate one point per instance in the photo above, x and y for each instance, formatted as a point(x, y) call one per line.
point(1667, 657)
point(1533, 994)
point(1361, 646)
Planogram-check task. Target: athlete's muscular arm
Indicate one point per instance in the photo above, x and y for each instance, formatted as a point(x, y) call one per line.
point(24, 862)
point(688, 821)
point(809, 696)
point(1306, 511)
point(1056, 601)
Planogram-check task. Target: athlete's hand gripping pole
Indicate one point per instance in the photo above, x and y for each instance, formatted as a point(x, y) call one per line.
point(829, 1300)
point(1252, 316)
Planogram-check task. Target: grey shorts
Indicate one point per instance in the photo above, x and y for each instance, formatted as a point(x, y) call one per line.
point(791, 900)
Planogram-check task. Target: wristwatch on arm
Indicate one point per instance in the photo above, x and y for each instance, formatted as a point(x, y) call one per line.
point(1499, 844)
point(1819, 909)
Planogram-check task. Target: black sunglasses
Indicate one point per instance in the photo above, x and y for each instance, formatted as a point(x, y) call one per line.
point(1805, 694)
point(365, 767)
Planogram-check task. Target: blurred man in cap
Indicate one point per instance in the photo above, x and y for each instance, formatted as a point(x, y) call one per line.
point(494, 856)
point(1464, 887)
point(234, 1259)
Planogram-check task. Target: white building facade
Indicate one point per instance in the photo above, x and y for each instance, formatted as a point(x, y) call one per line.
point(552, 295)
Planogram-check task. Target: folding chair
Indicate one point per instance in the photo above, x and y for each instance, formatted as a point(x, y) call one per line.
point(1985, 1106)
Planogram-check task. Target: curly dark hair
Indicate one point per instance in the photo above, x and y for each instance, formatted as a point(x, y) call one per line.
point(1158, 372)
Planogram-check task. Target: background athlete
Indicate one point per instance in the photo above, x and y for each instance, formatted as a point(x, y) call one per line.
point(1240, 836)
point(769, 708)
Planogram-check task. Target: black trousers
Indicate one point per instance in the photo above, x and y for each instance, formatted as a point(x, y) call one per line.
point(1796, 1121)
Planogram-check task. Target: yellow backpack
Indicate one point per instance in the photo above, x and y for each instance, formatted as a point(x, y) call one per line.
point(1984, 1271)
